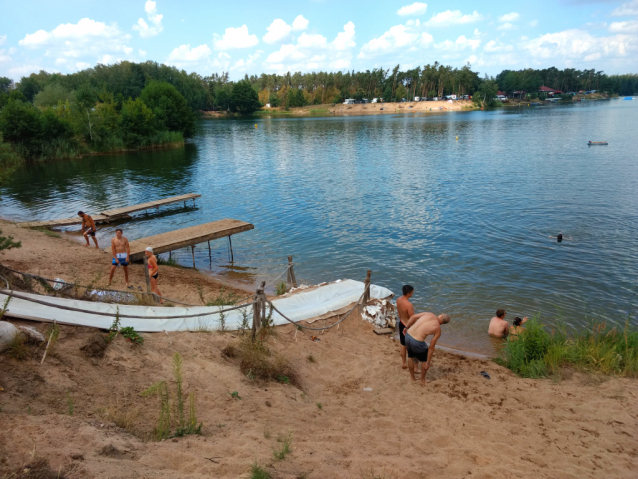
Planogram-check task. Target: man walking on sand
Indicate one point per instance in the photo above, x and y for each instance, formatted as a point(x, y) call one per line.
point(405, 311)
point(498, 328)
point(121, 252)
point(88, 227)
point(419, 327)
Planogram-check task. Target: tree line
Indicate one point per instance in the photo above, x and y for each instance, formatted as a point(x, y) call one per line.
point(136, 105)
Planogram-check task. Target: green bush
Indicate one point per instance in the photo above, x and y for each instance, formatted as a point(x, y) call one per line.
point(602, 349)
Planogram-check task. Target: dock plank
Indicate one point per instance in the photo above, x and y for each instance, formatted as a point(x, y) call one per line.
point(151, 204)
point(110, 215)
point(193, 235)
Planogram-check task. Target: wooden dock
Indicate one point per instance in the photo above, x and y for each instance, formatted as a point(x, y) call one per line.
point(112, 215)
point(191, 236)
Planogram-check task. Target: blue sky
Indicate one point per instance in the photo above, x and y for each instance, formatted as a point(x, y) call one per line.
point(257, 36)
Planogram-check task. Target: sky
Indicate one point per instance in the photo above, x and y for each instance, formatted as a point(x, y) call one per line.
point(254, 37)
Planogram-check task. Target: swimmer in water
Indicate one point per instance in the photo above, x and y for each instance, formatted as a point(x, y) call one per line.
point(559, 238)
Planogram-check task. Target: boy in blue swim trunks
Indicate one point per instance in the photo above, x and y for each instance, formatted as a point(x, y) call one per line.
point(419, 327)
point(121, 251)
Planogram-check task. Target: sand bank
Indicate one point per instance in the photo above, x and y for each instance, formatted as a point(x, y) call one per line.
point(460, 425)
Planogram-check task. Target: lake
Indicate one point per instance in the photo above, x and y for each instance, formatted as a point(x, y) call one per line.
point(467, 222)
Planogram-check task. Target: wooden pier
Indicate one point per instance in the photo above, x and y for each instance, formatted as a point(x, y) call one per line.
point(185, 237)
point(112, 215)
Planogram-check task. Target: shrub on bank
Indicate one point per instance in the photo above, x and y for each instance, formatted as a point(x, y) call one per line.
point(538, 353)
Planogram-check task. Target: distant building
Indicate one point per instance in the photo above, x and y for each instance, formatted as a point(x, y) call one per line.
point(548, 91)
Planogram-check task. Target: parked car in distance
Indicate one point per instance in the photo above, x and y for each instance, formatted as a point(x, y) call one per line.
point(374, 100)
point(416, 98)
point(349, 101)
point(436, 98)
point(501, 97)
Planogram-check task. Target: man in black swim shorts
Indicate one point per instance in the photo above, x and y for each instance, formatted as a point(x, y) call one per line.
point(419, 327)
point(88, 227)
point(405, 310)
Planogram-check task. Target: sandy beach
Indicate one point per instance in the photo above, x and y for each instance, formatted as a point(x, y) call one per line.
point(460, 425)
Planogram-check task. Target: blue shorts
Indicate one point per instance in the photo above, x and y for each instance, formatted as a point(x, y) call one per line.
point(122, 262)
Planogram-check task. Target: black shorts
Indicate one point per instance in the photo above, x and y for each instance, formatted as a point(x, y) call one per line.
point(155, 275)
point(402, 333)
point(90, 231)
point(417, 349)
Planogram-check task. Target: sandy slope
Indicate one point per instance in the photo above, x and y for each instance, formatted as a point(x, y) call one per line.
point(461, 425)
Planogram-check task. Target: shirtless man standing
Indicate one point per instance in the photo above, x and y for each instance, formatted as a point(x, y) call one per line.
point(88, 227)
point(419, 327)
point(405, 310)
point(498, 326)
point(121, 251)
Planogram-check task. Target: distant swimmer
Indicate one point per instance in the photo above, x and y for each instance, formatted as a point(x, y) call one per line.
point(405, 311)
point(498, 328)
point(419, 327)
point(559, 238)
point(121, 252)
point(88, 227)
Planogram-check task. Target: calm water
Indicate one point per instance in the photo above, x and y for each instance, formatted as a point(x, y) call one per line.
point(466, 221)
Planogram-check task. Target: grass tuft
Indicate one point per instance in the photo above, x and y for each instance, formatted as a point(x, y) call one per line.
point(18, 348)
point(281, 453)
point(258, 472)
point(537, 353)
point(281, 288)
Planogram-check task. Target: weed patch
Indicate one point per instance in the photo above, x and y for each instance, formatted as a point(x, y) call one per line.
point(18, 348)
point(280, 453)
point(281, 288)
point(537, 353)
point(258, 472)
point(166, 422)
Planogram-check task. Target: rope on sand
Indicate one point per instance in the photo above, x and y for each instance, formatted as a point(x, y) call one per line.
point(13, 294)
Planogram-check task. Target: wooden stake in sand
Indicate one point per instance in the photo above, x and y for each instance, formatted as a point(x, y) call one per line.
point(291, 273)
point(53, 336)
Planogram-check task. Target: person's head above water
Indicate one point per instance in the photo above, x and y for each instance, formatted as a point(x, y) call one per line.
point(517, 321)
point(407, 290)
point(500, 313)
point(559, 238)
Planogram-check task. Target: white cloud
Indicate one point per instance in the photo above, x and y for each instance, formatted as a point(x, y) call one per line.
point(313, 52)
point(299, 23)
point(82, 65)
point(477, 33)
point(506, 26)
point(277, 31)
point(571, 46)
point(142, 53)
point(235, 38)
point(626, 9)
point(345, 39)
point(4, 56)
point(624, 27)
point(416, 8)
point(461, 43)
point(3, 38)
point(494, 46)
point(398, 37)
point(509, 17)
point(87, 40)
point(450, 17)
point(533, 23)
point(242, 65)
point(155, 18)
point(186, 54)
point(18, 71)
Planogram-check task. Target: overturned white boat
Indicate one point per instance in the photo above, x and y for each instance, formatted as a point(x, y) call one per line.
point(299, 306)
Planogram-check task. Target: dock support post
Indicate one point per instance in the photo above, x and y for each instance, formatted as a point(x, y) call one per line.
point(148, 277)
point(257, 307)
point(291, 273)
point(230, 243)
point(193, 252)
point(169, 255)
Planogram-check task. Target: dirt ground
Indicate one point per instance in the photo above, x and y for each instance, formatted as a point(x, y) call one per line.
point(460, 425)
